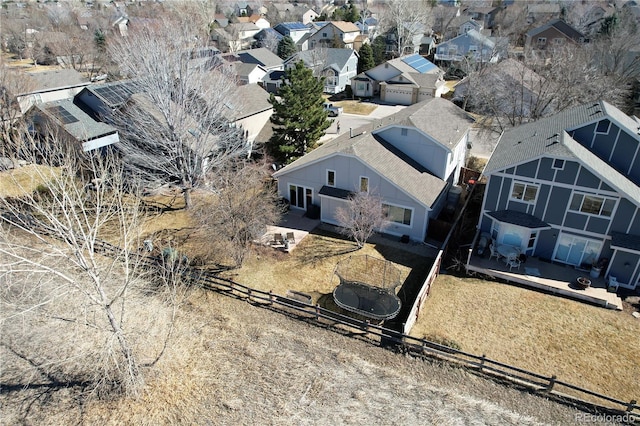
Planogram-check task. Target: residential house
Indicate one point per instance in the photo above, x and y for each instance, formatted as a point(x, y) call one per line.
point(337, 66)
point(73, 127)
point(242, 8)
point(517, 91)
point(542, 12)
point(234, 37)
point(544, 40)
point(309, 15)
point(337, 34)
point(410, 34)
point(427, 46)
point(101, 100)
point(256, 19)
point(295, 30)
point(485, 15)
point(261, 56)
point(49, 86)
point(268, 38)
point(249, 109)
point(273, 80)
point(368, 26)
point(469, 25)
point(409, 159)
point(249, 73)
point(405, 81)
point(471, 46)
point(566, 189)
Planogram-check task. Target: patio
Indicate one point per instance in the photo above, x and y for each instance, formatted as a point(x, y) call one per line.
point(294, 221)
point(554, 278)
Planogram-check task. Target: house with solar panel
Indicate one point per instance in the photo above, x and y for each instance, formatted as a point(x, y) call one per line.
point(565, 191)
point(404, 81)
point(411, 159)
point(295, 30)
point(71, 125)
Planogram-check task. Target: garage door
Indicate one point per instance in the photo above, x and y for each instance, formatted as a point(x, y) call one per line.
point(396, 96)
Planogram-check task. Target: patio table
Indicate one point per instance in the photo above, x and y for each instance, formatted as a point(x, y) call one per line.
point(508, 252)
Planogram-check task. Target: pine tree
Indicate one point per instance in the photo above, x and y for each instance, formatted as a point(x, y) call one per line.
point(352, 14)
point(286, 47)
point(365, 61)
point(298, 115)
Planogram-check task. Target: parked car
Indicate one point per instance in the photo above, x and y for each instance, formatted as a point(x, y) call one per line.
point(333, 110)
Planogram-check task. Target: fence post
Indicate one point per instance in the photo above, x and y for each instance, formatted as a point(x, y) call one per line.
point(365, 326)
point(249, 295)
point(317, 312)
point(482, 360)
point(271, 297)
point(552, 382)
point(631, 404)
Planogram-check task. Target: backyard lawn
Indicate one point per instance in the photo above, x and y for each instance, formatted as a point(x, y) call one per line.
point(591, 347)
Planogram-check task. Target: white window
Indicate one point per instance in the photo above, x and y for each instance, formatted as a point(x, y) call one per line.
point(592, 204)
point(603, 127)
point(331, 178)
point(397, 214)
point(526, 192)
point(364, 184)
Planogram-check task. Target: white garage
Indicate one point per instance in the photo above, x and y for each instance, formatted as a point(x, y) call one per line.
point(395, 94)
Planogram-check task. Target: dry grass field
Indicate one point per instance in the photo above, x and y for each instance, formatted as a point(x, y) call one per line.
point(588, 346)
point(232, 363)
point(14, 183)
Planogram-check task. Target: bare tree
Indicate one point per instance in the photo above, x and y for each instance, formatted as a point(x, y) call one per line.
point(408, 19)
point(179, 129)
point(12, 84)
point(73, 291)
point(361, 217)
point(241, 203)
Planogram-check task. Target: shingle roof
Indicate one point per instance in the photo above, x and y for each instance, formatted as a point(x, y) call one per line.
point(345, 26)
point(261, 56)
point(549, 137)
point(47, 80)
point(330, 57)
point(559, 25)
point(292, 26)
point(439, 118)
point(254, 100)
point(84, 127)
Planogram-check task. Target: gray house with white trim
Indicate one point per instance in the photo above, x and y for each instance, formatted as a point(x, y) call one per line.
point(566, 189)
point(410, 159)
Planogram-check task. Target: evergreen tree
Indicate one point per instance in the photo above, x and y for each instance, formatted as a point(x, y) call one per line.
point(298, 115)
point(286, 47)
point(365, 62)
point(352, 14)
point(379, 48)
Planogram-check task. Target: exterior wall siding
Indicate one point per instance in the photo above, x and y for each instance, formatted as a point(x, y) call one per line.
point(426, 152)
point(348, 171)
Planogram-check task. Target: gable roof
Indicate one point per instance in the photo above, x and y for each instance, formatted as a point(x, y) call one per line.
point(48, 80)
point(560, 26)
point(414, 63)
point(291, 26)
point(74, 120)
point(113, 94)
point(475, 36)
point(346, 27)
point(253, 100)
point(382, 157)
point(261, 56)
point(549, 137)
point(439, 118)
point(335, 57)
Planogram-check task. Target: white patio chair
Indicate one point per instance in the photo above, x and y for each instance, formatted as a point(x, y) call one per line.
point(494, 252)
point(513, 262)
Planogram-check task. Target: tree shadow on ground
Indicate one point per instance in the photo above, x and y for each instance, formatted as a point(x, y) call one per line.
point(325, 245)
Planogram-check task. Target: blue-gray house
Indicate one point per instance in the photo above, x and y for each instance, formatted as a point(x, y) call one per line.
point(566, 189)
point(471, 45)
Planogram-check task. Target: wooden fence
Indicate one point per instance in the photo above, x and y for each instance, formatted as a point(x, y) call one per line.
point(412, 317)
point(550, 386)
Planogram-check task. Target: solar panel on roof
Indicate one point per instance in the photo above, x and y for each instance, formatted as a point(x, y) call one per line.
point(115, 94)
point(65, 116)
point(418, 63)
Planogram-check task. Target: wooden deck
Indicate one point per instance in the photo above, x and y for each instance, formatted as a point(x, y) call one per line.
point(549, 277)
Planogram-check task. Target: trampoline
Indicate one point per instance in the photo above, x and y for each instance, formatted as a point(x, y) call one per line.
point(367, 287)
